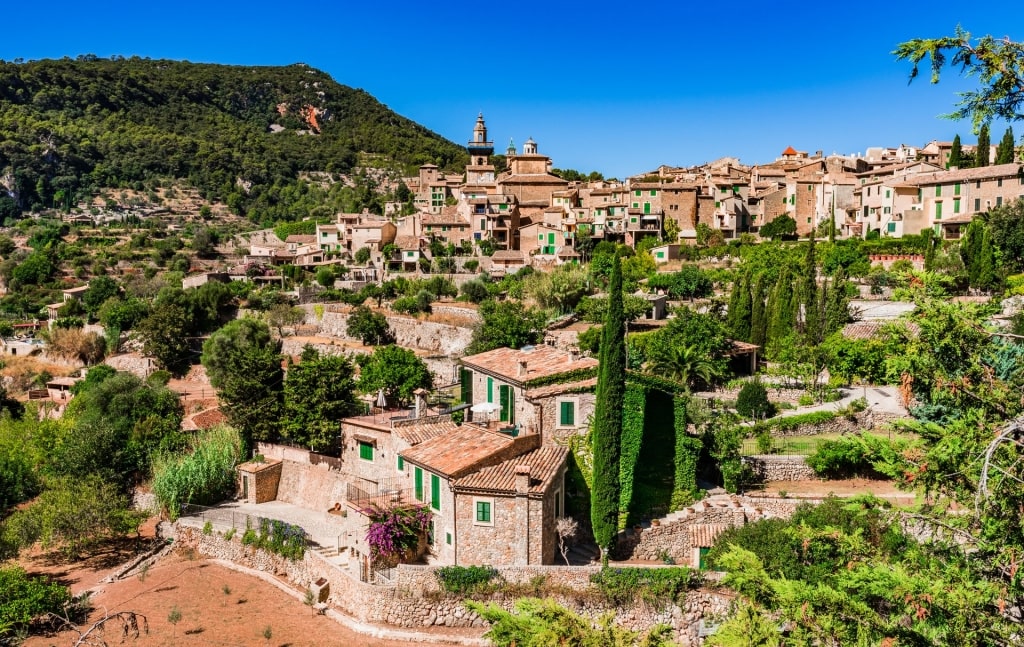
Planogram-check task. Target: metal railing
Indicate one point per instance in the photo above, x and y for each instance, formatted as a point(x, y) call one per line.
point(387, 495)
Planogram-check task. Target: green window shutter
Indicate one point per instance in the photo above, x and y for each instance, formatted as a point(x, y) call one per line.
point(567, 416)
point(637, 192)
point(647, 207)
point(418, 479)
point(483, 223)
point(661, 254)
point(365, 451)
point(448, 538)
point(938, 191)
point(483, 511)
point(505, 399)
point(401, 464)
point(551, 239)
point(654, 192)
point(466, 384)
point(490, 389)
point(977, 204)
point(435, 492)
point(891, 227)
point(999, 201)
point(938, 210)
point(956, 205)
point(956, 190)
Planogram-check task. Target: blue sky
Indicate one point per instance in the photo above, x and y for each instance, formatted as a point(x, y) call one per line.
point(618, 88)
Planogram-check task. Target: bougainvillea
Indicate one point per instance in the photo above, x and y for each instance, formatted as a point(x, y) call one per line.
point(394, 535)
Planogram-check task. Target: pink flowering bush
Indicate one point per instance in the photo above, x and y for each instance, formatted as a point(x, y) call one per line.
point(395, 535)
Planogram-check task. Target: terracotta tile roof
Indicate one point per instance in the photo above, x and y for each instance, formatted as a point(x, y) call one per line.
point(465, 450)
point(532, 179)
point(444, 218)
point(407, 242)
point(703, 535)
point(300, 238)
point(541, 361)
point(558, 389)
point(416, 434)
point(871, 329)
point(567, 252)
point(982, 173)
point(789, 151)
point(508, 255)
point(545, 463)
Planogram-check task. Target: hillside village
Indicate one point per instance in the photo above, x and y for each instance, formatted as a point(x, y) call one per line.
point(392, 413)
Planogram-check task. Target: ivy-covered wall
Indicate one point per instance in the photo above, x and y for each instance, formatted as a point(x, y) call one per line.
point(658, 464)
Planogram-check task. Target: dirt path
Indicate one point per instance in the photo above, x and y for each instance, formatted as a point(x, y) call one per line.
point(218, 607)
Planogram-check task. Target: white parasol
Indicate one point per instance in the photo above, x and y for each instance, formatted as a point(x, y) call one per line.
point(485, 407)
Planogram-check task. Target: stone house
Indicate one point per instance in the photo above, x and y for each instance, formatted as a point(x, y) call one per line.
point(329, 238)
point(447, 226)
point(372, 234)
point(549, 406)
point(494, 497)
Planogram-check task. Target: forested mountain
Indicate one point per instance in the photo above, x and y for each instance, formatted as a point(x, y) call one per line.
point(236, 133)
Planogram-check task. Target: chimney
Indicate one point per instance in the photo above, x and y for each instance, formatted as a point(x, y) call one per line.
point(574, 354)
point(420, 396)
point(521, 372)
point(522, 479)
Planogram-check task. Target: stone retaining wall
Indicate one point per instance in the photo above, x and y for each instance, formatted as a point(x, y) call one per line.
point(414, 599)
point(673, 535)
point(446, 339)
point(863, 421)
point(770, 468)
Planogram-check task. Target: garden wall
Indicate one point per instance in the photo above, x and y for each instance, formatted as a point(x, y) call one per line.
point(414, 599)
point(770, 468)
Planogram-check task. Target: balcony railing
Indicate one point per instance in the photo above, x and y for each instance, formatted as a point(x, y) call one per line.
point(388, 494)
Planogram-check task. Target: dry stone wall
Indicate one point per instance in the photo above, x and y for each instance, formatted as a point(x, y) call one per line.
point(769, 468)
point(414, 598)
point(441, 338)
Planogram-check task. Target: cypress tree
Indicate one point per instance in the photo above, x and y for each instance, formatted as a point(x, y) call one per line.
point(1005, 150)
point(809, 295)
point(837, 304)
point(607, 438)
point(986, 273)
point(783, 313)
point(956, 154)
point(758, 316)
point(970, 251)
point(740, 308)
point(982, 152)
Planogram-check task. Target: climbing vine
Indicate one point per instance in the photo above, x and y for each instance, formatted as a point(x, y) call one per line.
point(633, 412)
point(575, 375)
point(687, 451)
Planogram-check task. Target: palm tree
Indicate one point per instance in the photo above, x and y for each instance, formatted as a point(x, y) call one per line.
point(686, 365)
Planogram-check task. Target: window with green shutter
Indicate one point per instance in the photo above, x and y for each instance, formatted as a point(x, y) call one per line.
point(891, 227)
point(637, 193)
point(418, 481)
point(977, 204)
point(435, 492)
point(506, 398)
point(490, 389)
point(448, 538)
point(401, 464)
point(938, 191)
point(938, 210)
point(466, 385)
point(956, 190)
point(567, 414)
point(483, 511)
point(365, 451)
point(956, 205)
point(551, 239)
point(654, 192)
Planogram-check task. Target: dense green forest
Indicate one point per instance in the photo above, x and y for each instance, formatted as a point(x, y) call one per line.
point(70, 126)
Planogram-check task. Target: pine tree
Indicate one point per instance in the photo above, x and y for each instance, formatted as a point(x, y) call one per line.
point(740, 308)
point(981, 153)
point(758, 314)
point(607, 434)
point(956, 154)
point(1005, 152)
point(809, 295)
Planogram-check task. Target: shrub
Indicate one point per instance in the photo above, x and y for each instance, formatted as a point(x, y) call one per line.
point(208, 528)
point(621, 586)
point(229, 534)
point(806, 400)
point(395, 534)
point(23, 598)
point(465, 580)
point(864, 454)
point(752, 401)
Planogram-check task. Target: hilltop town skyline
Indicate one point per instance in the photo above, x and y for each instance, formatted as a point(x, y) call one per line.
point(596, 88)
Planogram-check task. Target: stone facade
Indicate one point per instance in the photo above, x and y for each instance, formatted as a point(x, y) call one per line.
point(770, 468)
point(258, 482)
point(414, 599)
